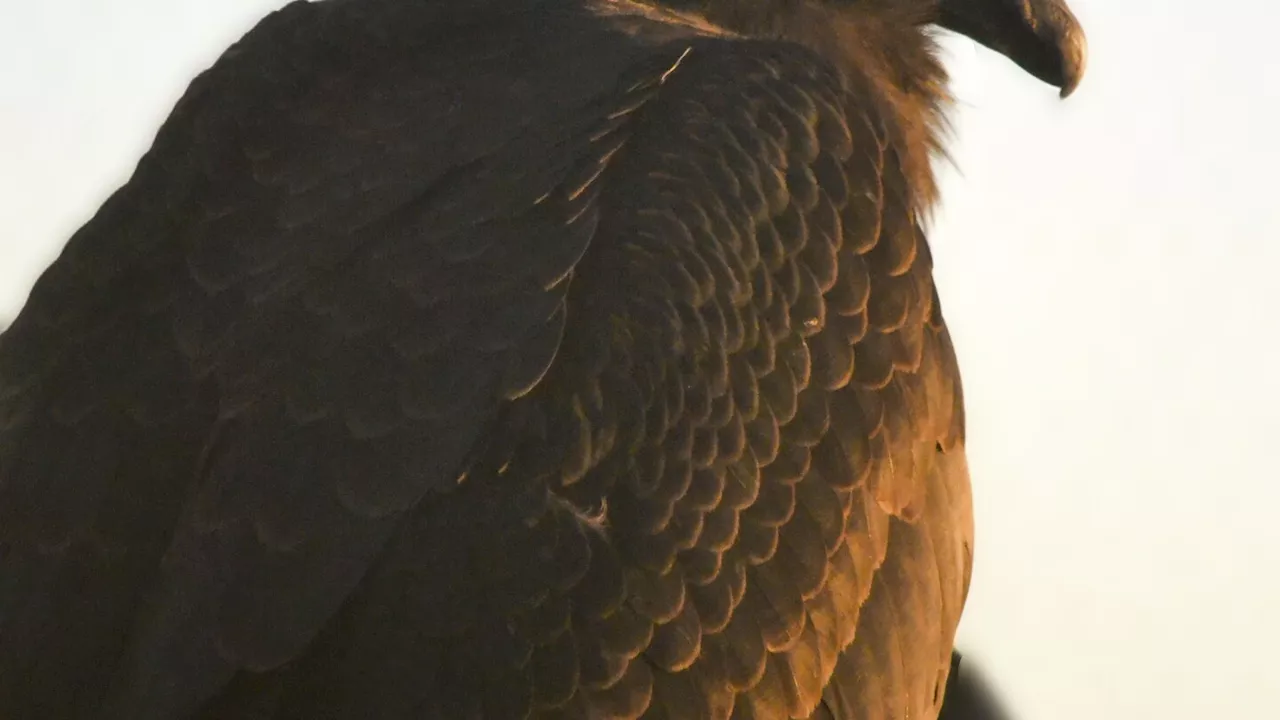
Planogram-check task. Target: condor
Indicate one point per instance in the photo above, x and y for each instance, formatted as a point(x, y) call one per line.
point(488, 359)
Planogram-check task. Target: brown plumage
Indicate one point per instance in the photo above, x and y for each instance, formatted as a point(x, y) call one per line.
point(475, 359)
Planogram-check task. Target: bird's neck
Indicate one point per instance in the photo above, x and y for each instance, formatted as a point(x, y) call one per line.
point(875, 41)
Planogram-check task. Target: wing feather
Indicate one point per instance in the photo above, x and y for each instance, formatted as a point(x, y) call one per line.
point(296, 321)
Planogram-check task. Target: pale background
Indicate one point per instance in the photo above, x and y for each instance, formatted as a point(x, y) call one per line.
point(1106, 265)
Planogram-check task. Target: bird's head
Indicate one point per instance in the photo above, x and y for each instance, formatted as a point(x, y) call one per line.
point(889, 43)
point(1041, 36)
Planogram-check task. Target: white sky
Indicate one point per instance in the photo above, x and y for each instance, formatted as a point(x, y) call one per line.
point(1106, 265)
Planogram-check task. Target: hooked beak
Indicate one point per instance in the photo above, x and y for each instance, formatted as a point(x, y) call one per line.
point(1041, 36)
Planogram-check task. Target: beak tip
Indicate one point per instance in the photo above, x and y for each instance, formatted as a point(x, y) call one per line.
point(1075, 55)
point(1069, 87)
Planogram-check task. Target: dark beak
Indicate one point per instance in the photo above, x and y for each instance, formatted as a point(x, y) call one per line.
point(1041, 36)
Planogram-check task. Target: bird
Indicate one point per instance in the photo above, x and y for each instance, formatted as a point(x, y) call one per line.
point(481, 359)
